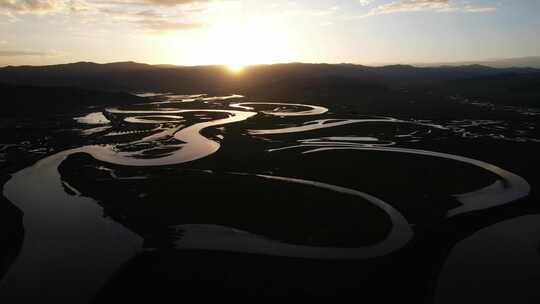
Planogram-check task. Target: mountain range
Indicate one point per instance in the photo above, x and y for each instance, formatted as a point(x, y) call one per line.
point(132, 76)
point(322, 83)
point(520, 62)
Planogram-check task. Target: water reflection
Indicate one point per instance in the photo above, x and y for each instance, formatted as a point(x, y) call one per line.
point(95, 118)
point(66, 237)
point(281, 109)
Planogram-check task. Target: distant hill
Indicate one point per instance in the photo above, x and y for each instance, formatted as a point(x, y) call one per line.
point(131, 76)
point(522, 62)
point(324, 83)
point(34, 100)
point(120, 76)
point(509, 89)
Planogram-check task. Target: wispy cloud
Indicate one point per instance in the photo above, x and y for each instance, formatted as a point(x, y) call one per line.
point(79, 6)
point(479, 9)
point(15, 53)
point(48, 6)
point(399, 6)
point(365, 2)
point(154, 20)
point(165, 3)
point(151, 15)
point(163, 25)
point(156, 16)
point(31, 6)
point(39, 7)
point(171, 2)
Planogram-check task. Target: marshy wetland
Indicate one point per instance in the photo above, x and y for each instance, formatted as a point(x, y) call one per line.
point(186, 194)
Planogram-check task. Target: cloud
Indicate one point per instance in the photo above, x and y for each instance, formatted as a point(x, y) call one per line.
point(323, 12)
point(173, 2)
point(153, 15)
point(31, 6)
point(148, 14)
point(164, 25)
point(426, 5)
point(365, 2)
point(479, 9)
point(24, 5)
point(410, 6)
point(79, 6)
point(15, 53)
point(151, 2)
point(49, 6)
point(39, 7)
point(155, 20)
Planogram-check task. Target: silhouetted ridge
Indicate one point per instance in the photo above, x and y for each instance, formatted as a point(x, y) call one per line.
point(34, 100)
point(299, 80)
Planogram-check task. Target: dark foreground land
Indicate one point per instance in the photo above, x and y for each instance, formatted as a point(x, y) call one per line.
point(394, 183)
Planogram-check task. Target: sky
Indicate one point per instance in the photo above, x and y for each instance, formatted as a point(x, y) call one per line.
point(236, 33)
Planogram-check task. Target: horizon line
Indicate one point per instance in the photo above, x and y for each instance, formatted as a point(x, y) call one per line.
point(371, 64)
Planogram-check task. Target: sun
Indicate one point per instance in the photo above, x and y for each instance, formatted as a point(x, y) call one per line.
point(239, 42)
point(235, 67)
